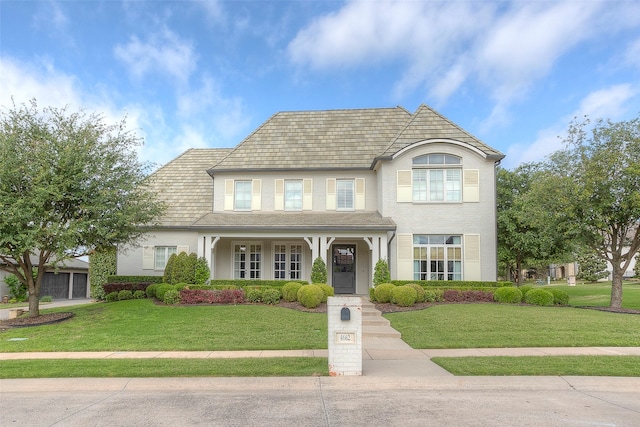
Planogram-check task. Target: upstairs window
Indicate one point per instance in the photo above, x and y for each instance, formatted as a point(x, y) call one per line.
point(293, 195)
point(344, 194)
point(437, 178)
point(242, 195)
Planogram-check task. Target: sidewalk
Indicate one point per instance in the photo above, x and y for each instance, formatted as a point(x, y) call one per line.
point(384, 352)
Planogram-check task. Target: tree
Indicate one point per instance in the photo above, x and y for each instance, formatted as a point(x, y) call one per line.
point(525, 232)
point(594, 186)
point(319, 271)
point(70, 184)
point(592, 267)
point(636, 270)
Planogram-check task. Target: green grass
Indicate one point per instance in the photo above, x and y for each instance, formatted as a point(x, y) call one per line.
point(612, 366)
point(147, 368)
point(140, 325)
point(502, 325)
point(599, 294)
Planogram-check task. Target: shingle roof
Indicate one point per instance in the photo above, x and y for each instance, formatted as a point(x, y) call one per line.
point(341, 139)
point(427, 123)
point(185, 185)
point(318, 140)
point(296, 221)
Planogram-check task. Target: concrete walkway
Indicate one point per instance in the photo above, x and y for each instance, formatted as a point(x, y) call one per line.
point(384, 352)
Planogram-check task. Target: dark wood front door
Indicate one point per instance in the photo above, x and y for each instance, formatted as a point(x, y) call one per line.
point(344, 269)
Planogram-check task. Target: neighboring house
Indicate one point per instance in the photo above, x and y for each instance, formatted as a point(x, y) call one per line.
point(68, 281)
point(349, 186)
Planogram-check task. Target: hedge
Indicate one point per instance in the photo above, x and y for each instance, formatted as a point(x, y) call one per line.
point(132, 286)
point(452, 284)
point(134, 279)
point(203, 296)
point(243, 283)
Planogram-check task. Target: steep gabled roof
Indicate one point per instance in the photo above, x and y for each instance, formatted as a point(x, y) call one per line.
point(334, 139)
point(185, 186)
point(341, 139)
point(427, 123)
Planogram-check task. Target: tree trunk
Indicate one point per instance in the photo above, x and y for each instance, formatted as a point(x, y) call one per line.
point(519, 271)
point(616, 286)
point(34, 305)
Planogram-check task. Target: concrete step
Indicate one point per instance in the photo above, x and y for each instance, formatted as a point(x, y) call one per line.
point(380, 331)
point(375, 321)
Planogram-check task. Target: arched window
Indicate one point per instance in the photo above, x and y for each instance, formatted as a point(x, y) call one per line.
point(437, 178)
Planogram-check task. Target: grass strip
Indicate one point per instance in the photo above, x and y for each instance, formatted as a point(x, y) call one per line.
point(141, 325)
point(604, 366)
point(162, 368)
point(504, 325)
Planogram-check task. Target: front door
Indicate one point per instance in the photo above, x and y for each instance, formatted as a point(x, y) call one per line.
point(344, 269)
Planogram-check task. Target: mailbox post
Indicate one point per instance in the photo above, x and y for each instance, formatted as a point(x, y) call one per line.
point(345, 335)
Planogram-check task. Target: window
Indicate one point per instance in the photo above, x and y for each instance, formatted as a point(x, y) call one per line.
point(162, 254)
point(242, 195)
point(247, 261)
point(344, 194)
point(293, 195)
point(437, 257)
point(287, 262)
point(432, 183)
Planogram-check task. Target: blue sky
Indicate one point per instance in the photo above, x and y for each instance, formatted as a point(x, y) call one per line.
point(207, 73)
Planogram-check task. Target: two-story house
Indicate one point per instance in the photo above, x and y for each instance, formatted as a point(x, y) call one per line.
point(349, 186)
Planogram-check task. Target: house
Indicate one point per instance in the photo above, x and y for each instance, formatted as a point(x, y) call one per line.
point(349, 186)
point(68, 281)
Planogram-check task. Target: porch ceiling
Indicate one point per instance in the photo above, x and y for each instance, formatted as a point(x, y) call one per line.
point(353, 221)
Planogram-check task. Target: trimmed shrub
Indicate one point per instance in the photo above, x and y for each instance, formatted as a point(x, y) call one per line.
point(372, 294)
point(202, 272)
point(383, 292)
point(162, 289)
point(524, 289)
point(171, 297)
point(139, 294)
point(130, 286)
point(134, 279)
point(539, 297)
point(432, 295)
point(404, 296)
point(328, 291)
point(151, 290)
point(254, 294)
point(465, 284)
point(419, 291)
point(124, 295)
point(111, 297)
point(102, 264)
point(17, 290)
point(508, 295)
point(467, 295)
point(212, 296)
point(290, 291)
point(560, 297)
point(319, 271)
point(46, 298)
point(310, 296)
point(271, 296)
point(381, 272)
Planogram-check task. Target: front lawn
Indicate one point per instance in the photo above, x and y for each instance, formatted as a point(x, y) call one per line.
point(503, 325)
point(141, 325)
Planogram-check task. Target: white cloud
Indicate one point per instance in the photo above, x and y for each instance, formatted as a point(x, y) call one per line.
point(608, 103)
point(632, 56)
point(163, 52)
point(505, 47)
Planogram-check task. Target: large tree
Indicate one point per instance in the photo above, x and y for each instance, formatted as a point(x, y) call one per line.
point(594, 186)
point(525, 233)
point(70, 184)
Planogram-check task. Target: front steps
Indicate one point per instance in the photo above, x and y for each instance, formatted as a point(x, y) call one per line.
point(373, 324)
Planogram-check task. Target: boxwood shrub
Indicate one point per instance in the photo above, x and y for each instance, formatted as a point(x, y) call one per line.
point(420, 295)
point(139, 294)
point(171, 297)
point(560, 297)
point(539, 297)
point(327, 290)
point(508, 295)
point(270, 295)
point(125, 295)
point(290, 291)
point(404, 296)
point(253, 294)
point(524, 289)
point(383, 292)
point(162, 289)
point(433, 295)
point(310, 296)
point(111, 297)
